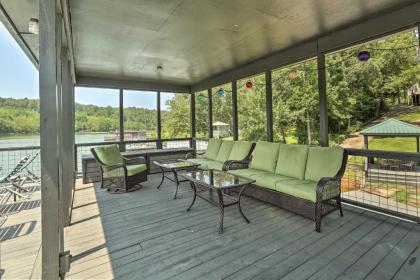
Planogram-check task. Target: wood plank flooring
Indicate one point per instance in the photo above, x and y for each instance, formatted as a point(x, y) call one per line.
point(148, 235)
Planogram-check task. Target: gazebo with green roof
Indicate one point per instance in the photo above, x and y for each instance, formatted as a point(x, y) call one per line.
point(391, 128)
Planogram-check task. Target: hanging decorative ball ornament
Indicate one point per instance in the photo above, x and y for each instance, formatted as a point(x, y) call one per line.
point(200, 98)
point(363, 55)
point(249, 84)
point(221, 92)
point(292, 74)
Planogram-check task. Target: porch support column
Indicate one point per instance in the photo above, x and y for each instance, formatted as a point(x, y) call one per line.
point(269, 105)
point(366, 142)
point(235, 110)
point(417, 144)
point(48, 95)
point(192, 119)
point(159, 122)
point(67, 140)
point(121, 118)
point(323, 106)
point(210, 109)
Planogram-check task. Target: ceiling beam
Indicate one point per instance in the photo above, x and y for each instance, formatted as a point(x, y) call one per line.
point(85, 81)
point(13, 30)
point(355, 33)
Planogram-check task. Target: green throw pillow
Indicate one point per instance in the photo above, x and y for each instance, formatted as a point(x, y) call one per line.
point(323, 162)
point(240, 150)
point(265, 156)
point(213, 148)
point(292, 160)
point(224, 151)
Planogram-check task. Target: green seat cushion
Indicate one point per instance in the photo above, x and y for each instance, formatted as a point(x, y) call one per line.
point(298, 188)
point(135, 169)
point(213, 148)
point(265, 156)
point(323, 162)
point(224, 150)
point(240, 150)
point(292, 161)
point(201, 161)
point(248, 172)
point(268, 180)
point(109, 155)
point(215, 165)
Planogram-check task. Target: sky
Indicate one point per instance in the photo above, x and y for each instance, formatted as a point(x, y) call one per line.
point(19, 79)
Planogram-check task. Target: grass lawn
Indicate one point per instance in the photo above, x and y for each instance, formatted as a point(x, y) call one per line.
point(398, 144)
point(410, 116)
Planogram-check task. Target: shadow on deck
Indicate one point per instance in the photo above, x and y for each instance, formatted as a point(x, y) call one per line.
point(148, 234)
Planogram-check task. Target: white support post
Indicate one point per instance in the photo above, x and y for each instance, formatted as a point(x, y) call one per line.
point(48, 95)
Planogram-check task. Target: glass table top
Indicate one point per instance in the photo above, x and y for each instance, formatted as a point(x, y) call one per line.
point(216, 179)
point(175, 163)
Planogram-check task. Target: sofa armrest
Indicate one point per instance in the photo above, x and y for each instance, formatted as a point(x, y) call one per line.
point(328, 187)
point(235, 164)
point(194, 154)
point(134, 160)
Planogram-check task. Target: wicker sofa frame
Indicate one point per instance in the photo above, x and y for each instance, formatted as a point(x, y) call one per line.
point(328, 195)
point(130, 183)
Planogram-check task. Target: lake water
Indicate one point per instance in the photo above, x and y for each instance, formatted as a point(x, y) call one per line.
point(10, 141)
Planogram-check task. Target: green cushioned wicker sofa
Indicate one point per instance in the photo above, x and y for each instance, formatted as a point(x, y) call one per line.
point(220, 152)
point(303, 179)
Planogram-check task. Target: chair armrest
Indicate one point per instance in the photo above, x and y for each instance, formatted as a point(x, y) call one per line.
point(134, 160)
point(328, 187)
point(235, 164)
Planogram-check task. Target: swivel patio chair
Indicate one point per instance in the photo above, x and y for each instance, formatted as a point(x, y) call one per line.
point(119, 174)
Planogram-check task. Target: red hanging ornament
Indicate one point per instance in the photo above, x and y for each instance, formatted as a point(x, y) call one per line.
point(249, 84)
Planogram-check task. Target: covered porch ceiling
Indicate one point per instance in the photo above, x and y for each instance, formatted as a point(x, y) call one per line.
point(192, 40)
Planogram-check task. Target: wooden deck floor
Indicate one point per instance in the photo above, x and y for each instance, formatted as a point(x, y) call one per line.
point(148, 235)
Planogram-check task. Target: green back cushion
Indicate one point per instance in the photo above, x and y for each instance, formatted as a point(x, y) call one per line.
point(240, 150)
point(109, 155)
point(213, 148)
point(323, 162)
point(224, 151)
point(292, 161)
point(265, 156)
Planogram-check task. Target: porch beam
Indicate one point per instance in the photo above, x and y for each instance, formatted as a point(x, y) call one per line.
point(354, 33)
point(86, 81)
point(210, 111)
point(269, 104)
point(235, 110)
point(49, 143)
point(323, 106)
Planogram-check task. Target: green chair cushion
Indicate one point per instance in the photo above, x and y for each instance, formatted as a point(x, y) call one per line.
point(323, 162)
point(135, 169)
point(224, 150)
point(265, 156)
point(240, 150)
point(215, 165)
point(268, 180)
point(248, 172)
point(292, 161)
point(109, 155)
point(213, 147)
point(298, 188)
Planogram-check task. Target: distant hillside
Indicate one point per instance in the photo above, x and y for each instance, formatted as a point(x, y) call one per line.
point(22, 116)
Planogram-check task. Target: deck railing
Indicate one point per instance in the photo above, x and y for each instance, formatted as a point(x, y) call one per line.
point(11, 156)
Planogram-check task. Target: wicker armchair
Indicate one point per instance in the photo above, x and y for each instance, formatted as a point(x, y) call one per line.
point(119, 174)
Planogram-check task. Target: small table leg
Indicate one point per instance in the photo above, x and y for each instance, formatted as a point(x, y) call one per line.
point(176, 183)
point(163, 177)
point(239, 203)
point(194, 197)
point(221, 210)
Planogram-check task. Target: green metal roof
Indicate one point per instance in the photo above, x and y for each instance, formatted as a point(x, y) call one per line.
point(392, 127)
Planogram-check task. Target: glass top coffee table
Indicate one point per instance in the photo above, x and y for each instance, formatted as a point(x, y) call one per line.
point(174, 165)
point(223, 183)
